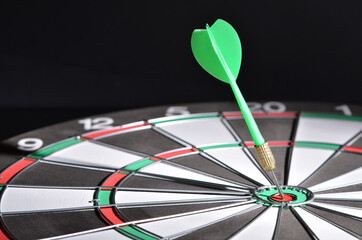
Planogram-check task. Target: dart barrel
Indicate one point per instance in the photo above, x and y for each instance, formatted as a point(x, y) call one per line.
point(265, 156)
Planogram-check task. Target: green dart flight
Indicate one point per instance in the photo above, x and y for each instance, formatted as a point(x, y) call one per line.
point(218, 50)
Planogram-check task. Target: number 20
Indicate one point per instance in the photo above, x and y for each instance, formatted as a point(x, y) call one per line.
point(269, 107)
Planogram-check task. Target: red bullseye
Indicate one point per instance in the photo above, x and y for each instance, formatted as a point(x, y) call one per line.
point(288, 197)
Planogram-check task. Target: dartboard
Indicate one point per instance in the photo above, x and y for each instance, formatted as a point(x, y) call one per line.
point(186, 172)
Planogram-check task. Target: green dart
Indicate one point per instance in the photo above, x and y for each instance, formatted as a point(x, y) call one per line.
point(218, 50)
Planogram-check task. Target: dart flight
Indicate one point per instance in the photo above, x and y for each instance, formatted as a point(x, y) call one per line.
point(218, 50)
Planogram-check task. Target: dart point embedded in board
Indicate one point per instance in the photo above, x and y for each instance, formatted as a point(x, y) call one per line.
point(218, 50)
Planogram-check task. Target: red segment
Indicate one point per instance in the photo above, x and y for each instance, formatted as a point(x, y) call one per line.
point(176, 153)
point(4, 233)
point(279, 143)
point(353, 149)
point(113, 130)
point(230, 115)
point(3, 236)
point(279, 198)
point(155, 159)
point(114, 179)
point(15, 169)
point(110, 216)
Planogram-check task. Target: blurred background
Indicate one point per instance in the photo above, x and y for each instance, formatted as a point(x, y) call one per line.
point(61, 60)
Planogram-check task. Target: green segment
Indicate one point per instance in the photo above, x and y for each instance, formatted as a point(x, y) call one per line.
point(124, 172)
point(133, 231)
point(301, 197)
point(105, 197)
point(319, 115)
point(318, 145)
point(186, 118)
point(138, 165)
point(49, 150)
point(218, 50)
point(219, 146)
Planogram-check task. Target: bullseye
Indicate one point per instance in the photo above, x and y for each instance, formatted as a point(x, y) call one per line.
point(279, 198)
point(294, 196)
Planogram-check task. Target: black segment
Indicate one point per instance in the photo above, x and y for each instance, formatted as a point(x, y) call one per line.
point(273, 129)
point(133, 214)
point(290, 227)
point(347, 222)
point(153, 183)
point(45, 174)
point(340, 164)
point(42, 225)
point(146, 141)
point(357, 143)
point(206, 165)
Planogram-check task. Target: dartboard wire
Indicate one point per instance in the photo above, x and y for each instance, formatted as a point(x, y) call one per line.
point(177, 235)
point(241, 186)
point(128, 206)
point(334, 155)
point(218, 162)
point(187, 144)
point(117, 209)
point(277, 224)
point(338, 212)
point(123, 217)
point(251, 221)
point(53, 162)
point(148, 156)
point(329, 196)
point(120, 188)
point(194, 183)
point(229, 128)
point(170, 136)
point(149, 220)
point(245, 149)
point(288, 159)
point(203, 153)
point(185, 191)
point(305, 225)
point(232, 198)
point(118, 148)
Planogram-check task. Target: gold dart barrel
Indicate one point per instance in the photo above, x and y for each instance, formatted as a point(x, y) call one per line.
point(265, 156)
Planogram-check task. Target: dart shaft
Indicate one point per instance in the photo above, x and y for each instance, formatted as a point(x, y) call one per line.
point(277, 184)
point(249, 119)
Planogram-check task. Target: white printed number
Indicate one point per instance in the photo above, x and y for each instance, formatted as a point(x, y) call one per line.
point(345, 109)
point(177, 110)
point(96, 123)
point(30, 144)
point(268, 107)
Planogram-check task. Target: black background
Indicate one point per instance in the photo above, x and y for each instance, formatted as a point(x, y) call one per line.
point(65, 59)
